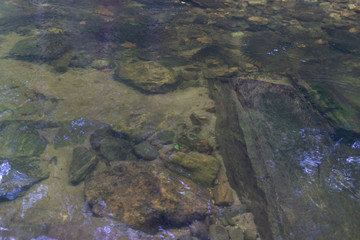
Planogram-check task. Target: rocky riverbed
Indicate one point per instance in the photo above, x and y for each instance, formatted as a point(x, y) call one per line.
point(179, 119)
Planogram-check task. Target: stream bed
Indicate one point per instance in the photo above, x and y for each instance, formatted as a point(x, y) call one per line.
point(186, 120)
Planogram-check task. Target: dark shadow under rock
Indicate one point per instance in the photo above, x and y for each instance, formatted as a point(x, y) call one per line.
point(145, 195)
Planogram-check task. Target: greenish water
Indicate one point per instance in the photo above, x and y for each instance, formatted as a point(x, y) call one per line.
point(118, 119)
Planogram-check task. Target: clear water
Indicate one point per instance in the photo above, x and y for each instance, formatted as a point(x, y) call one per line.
point(64, 67)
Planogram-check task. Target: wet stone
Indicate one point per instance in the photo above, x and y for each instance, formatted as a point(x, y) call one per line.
point(165, 137)
point(17, 175)
point(75, 132)
point(146, 151)
point(62, 64)
point(191, 141)
point(18, 139)
point(43, 47)
point(246, 223)
point(200, 168)
point(235, 233)
point(83, 162)
point(223, 195)
point(100, 64)
point(117, 149)
point(145, 195)
point(218, 232)
point(199, 229)
point(149, 77)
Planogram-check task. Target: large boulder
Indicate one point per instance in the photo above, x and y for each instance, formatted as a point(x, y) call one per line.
point(150, 77)
point(145, 195)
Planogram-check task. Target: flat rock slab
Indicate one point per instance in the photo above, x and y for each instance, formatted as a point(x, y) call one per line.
point(145, 195)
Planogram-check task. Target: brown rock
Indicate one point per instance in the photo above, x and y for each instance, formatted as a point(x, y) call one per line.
point(145, 195)
point(223, 195)
point(258, 20)
point(246, 223)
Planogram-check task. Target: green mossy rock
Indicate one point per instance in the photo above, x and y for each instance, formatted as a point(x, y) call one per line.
point(149, 77)
point(83, 162)
point(341, 114)
point(20, 174)
point(20, 140)
point(200, 168)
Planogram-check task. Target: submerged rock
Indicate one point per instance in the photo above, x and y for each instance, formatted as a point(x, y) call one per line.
point(209, 3)
point(146, 151)
point(83, 162)
point(117, 149)
point(145, 195)
point(112, 145)
point(218, 232)
point(18, 139)
point(150, 77)
point(42, 47)
point(17, 175)
point(20, 167)
point(200, 168)
point(75, 131)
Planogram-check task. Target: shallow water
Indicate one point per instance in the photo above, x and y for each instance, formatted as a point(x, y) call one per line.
point(70, 69)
